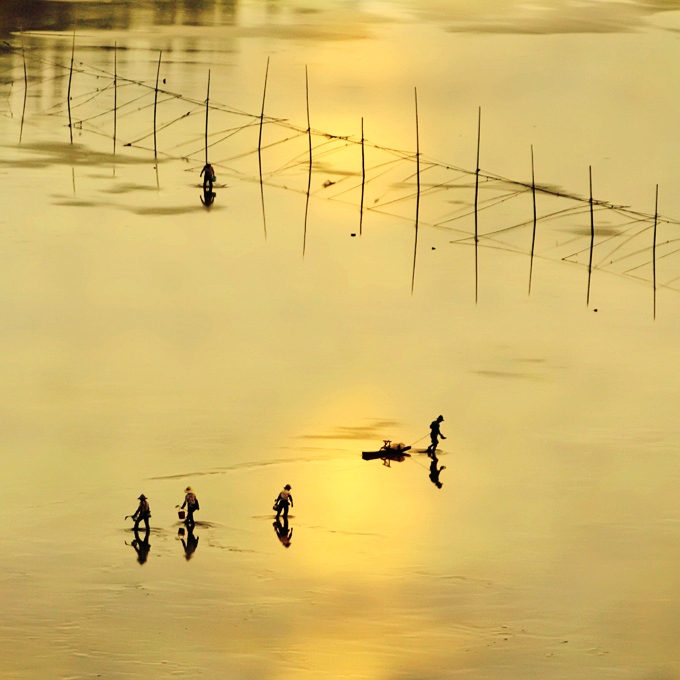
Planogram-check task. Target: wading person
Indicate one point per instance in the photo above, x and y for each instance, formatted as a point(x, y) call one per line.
point(191, 504)
point(142, 513)
point(283, 500)
point(209, 175)
point(435, 433)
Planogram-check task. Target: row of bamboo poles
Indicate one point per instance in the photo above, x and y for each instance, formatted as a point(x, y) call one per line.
point(591, 201)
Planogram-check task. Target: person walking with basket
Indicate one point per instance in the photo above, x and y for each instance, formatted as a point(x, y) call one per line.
point(283, 500)
point(191, 504)
point(209, 178)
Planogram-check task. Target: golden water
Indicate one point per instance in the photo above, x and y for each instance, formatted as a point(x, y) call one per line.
point(149, 343)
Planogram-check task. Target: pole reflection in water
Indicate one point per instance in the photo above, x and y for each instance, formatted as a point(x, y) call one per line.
point(283, 533)
point(141, 545)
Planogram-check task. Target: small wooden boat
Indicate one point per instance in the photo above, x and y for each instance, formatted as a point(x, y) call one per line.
point(389, 451)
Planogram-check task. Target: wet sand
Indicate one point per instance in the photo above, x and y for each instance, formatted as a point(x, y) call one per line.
point(150, 343)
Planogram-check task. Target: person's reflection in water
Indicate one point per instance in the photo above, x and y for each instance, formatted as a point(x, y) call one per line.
point(208, 174)
point(282, 532)
point(435, 472)
point(191, 543)
point(208, 198)
point(141, 545)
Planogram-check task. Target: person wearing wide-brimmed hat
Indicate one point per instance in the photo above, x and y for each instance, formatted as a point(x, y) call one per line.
point(283, 500)
point(191, 504)
point(435, 433)
point(143, 512)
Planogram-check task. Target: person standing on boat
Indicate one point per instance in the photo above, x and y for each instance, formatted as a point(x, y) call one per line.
point(191, 504)
point(283, 500)
point(435, 433)
point(142, 513)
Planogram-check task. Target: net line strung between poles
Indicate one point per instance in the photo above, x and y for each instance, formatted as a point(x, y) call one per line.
point(617, 243)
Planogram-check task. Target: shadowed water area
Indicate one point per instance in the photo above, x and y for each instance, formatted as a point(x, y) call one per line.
point(157, 336)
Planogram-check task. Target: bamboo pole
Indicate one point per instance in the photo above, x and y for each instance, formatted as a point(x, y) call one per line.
point(415, 242)
point(155, 103)
point(656, 215)
point(68, 92)
point(479, 138)
point(592, 234)
point(207, 109)
point(23, 111)
point(533, 235)
point(309, 180)
point(259, 150)
point(115, 94)
point(363, 180)
point(264, 94)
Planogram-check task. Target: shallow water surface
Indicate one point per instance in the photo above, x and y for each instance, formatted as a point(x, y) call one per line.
point(151, 342)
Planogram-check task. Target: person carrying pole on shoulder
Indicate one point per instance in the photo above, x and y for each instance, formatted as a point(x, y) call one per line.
point(191, 504)
point(435, 433)
point(283, 500)
point(142, 513)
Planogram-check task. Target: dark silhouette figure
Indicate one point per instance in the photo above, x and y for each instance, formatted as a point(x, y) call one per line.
point(191, 504)
point(142, 513)
point(282, 532)
point(141, 545)
point(283, 500)
point(434, 472)
point(208, 197)
point(435, 433)
point(388, 451)
point(190, 544)
point(209, 177)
